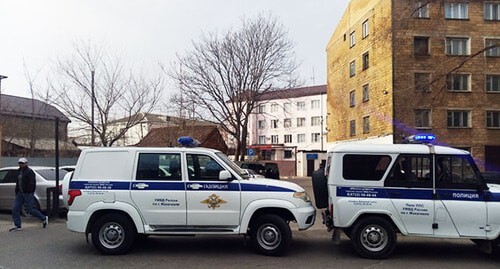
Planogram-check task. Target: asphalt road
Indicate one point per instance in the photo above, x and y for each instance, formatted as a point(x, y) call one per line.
point(56, 247)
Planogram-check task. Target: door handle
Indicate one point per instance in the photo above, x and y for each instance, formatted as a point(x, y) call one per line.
point(195, 186)
point(141, 186)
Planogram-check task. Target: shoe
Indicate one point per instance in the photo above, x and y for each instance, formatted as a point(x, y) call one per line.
point(45, 221)
point(15, 229)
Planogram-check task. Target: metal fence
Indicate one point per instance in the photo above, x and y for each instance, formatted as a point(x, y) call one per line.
point(39, 161)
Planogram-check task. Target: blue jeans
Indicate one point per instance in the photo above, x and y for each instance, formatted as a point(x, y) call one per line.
point(29, 200)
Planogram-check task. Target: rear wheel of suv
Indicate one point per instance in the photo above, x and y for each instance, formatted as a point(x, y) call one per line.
point(373, 237)
point(271, 235)
point(113, 234)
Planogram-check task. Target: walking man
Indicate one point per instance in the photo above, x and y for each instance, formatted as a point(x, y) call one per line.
point(25, 194)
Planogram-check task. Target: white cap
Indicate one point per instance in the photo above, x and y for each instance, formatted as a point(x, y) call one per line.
point(22, 160)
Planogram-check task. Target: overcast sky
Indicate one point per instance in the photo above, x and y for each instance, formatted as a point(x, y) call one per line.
point(145, 32)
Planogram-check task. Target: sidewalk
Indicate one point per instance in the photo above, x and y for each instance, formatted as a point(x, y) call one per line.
point(27, 222)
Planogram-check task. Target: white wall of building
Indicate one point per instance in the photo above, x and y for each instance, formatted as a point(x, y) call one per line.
point(292, 122)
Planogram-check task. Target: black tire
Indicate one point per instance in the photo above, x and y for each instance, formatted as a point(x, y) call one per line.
point(271, 235)
point(113, 234)
point(373, 238)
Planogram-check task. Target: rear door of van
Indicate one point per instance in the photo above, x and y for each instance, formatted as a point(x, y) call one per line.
point(158, 190)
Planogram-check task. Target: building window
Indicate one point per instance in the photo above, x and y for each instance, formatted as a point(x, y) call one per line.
point(366, 93)
point(421, 45)
point(316, 121)
point(262, 139)
point(366, 125)
point(288, 154)
point(301, 138)
point(421, 9)
point(457, 46)
point(287, 107)
point(456, 10)
point(422, 118)
point(287, 123)
point(315, 137)
point(422, 82)
point(365, 29)
point(493, 83)
point(288, 138)
point(262, 109)
point(301, 105)
point(459, 83)
point(366, 61)
point(458, 119)
point(274, 108)
point(261, 124)
point(274, 139)
point(352, 98)
point(492, 11)
point(495, 47)
point(352, 68)
point(274, 124)
point(352, 38)
point(352, 128)
point(493, 119)
point(315, 104)
point(301, 122)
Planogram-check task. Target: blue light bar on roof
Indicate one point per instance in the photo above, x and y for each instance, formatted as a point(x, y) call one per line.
point(420, 138)
point(187, 141)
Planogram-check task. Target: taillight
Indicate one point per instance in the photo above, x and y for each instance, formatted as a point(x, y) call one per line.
point(72, 195)
point(331, 210)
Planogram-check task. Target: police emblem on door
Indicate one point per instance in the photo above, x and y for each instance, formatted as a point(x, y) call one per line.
point(213, 201)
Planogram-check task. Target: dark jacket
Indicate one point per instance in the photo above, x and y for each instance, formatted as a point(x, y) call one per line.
point(28, 181)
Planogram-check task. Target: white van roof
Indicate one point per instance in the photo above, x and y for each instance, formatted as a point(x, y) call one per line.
point(394, 149)
point(150, 149)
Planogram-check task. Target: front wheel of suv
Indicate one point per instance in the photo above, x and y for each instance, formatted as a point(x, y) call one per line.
point(271, 235)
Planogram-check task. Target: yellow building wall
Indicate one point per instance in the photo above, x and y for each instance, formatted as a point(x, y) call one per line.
point(378, 76)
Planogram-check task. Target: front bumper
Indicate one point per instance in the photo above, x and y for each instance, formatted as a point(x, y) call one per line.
point(305, 216)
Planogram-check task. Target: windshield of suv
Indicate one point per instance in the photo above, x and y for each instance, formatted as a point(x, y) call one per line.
point(242, 173)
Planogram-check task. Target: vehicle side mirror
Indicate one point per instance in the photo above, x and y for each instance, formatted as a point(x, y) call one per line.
point(224, 175)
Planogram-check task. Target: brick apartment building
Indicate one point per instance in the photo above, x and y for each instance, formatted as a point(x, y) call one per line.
point(400, 67)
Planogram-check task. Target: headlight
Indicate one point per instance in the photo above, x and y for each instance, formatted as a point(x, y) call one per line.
point(302, 195)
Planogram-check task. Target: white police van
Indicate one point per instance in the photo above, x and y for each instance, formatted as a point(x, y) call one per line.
point(116, 194)
point(373, 192)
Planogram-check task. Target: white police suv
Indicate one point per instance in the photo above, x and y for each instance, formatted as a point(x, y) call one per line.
point(372, 192)
point(116, 194)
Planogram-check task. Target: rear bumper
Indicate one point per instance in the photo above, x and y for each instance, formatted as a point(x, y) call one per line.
point(77, 221)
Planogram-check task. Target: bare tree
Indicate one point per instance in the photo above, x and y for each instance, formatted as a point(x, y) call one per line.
point(93, 82)
point(224, 76)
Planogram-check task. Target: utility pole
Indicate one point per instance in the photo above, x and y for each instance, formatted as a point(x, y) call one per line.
point(1, 77)
point(1, 123)
point(92, 135)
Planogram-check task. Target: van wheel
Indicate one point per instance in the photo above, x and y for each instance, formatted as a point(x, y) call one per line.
point(113, 234)
point(373, 238)
point(271, 235)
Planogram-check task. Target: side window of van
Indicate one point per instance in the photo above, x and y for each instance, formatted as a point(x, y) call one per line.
point(364, 167)
point(159, 166)
point(203, 167)
point(411, 171)
point(456, 172)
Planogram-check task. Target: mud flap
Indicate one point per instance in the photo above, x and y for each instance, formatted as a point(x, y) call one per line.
point(336, 236)
point(485, 246)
